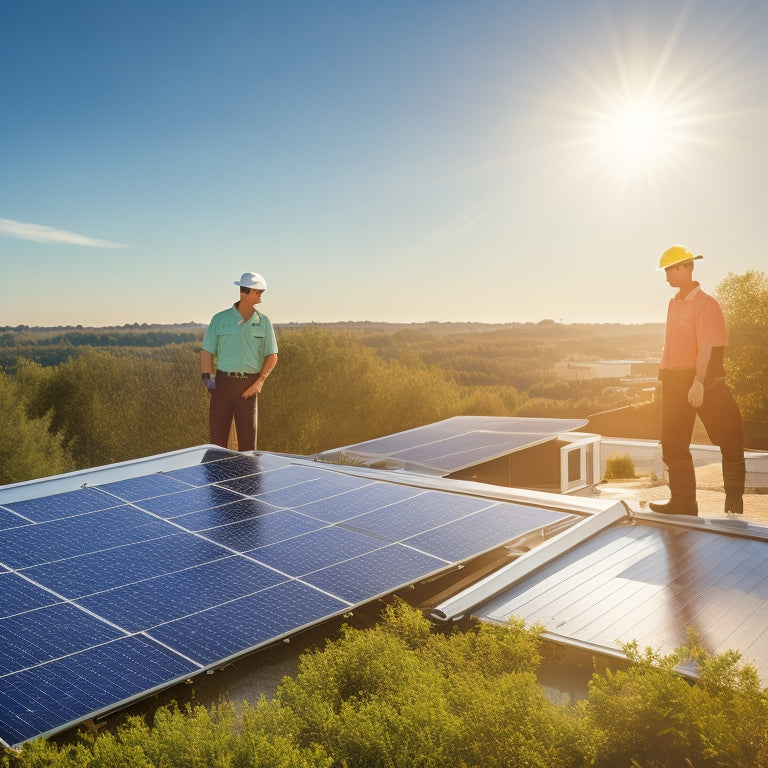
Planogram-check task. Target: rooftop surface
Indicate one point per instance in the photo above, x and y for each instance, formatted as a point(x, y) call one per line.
point(710, 494)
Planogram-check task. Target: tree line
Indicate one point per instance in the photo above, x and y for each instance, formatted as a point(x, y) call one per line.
point(333, 386)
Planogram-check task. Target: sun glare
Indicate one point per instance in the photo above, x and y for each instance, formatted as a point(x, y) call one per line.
point(636, 132)
point(637, 109)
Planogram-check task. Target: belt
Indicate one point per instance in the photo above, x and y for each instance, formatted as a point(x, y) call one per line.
point(236, 374)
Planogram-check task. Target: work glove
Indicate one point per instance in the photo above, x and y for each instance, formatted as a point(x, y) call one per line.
point(209, 382)
point(696, 394)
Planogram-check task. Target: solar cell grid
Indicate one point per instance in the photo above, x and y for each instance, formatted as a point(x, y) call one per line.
point(233, 627)
point(9, 519)
point(459, 539)
point(19, 595)
point(411, 516)
point(221, 469)
point(49, 633)
point(62, 505)
point(137, 488)
point(60, 539)
point(125, 564)
point(38, 700)
point(236, 512)
point(314, 550)
point(192, 500)
point(356, 502)
point(260, 531)
point(375, 573)
point(316, 489)
point(460, 442)
point(139, 606)
point(210, 560)
point(272, 480)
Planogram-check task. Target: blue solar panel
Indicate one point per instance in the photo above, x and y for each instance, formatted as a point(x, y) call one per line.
point(260, 531)
point(238, 511)
point(19, 595)
point(62, 505)
point(456, 443)
point(462, 538)
point(114, 590)
point(184, 502)
point(272, 480)
point(139, 606)
point(315, 550)
point(229, 629)
point(146, 487)
point(49, 633)
point(99, 571)
point(40, 699)
point(407, 518)
point(59, 539)
point(357, 502)
point(376, 573)
point(10, 520)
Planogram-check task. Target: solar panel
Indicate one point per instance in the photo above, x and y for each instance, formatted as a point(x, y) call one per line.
point(454, 444)
point(137, 582)
point(651, 584)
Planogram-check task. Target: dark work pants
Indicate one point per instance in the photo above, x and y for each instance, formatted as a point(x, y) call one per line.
point(227, 403)
point(722, 420)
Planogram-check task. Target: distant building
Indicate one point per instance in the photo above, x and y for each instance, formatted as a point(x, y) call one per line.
point(594, 369)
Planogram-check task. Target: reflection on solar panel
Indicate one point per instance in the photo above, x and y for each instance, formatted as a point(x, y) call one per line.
point(650, 584)
point(134, 583)
point(456, 443)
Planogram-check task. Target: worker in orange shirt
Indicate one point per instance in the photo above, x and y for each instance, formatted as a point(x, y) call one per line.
point(693, 381)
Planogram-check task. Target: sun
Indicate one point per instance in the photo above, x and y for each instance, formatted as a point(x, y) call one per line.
point(634, 110)
point(637, 132)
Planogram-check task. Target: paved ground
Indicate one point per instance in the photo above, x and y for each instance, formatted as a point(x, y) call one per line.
point(710, 494)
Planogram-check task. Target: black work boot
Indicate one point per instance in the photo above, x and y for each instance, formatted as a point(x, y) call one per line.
point(675, 507)
point(682, 486)
point(734, 473)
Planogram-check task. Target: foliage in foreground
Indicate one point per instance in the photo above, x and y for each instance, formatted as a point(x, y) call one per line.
point(404, 695)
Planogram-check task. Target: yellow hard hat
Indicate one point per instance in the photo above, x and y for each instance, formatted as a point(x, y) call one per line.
point(676, 255)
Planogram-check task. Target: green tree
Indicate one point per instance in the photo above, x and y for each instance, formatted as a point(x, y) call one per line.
point(112, 406)
point(28, 449)
point(328, 390)
point(744, 299)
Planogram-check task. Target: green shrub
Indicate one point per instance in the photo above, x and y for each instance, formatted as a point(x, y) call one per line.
point(404, 695)
point(619, 467)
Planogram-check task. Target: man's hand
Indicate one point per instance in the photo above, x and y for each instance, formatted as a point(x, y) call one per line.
point(696, 394)
point(254, 389)
point(209, 382)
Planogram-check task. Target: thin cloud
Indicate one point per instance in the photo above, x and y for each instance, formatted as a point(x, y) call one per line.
point(40, 234)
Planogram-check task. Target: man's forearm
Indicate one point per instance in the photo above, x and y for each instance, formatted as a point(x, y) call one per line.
point(206, 362)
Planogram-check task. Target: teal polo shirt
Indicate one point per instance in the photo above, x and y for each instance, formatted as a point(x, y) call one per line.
point(239, 346)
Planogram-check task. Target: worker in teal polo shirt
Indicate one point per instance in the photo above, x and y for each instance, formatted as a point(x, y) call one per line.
point(239, 352)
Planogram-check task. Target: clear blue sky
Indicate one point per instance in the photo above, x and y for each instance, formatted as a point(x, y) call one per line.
point(398, 160)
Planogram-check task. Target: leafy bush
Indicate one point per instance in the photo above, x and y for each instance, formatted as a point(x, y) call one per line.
point(649, 715)
point(619, 467)
point(404, 694)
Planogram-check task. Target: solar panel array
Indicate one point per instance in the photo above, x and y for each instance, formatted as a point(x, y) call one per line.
point(459, 442)
point(117, 590)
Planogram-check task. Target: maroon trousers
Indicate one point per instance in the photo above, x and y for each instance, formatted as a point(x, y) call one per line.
point(227, 403)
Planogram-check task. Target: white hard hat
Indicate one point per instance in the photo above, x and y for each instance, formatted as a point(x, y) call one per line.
point(252, 280)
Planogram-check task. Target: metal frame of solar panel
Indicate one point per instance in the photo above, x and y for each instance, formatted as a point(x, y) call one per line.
point(121, 582)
